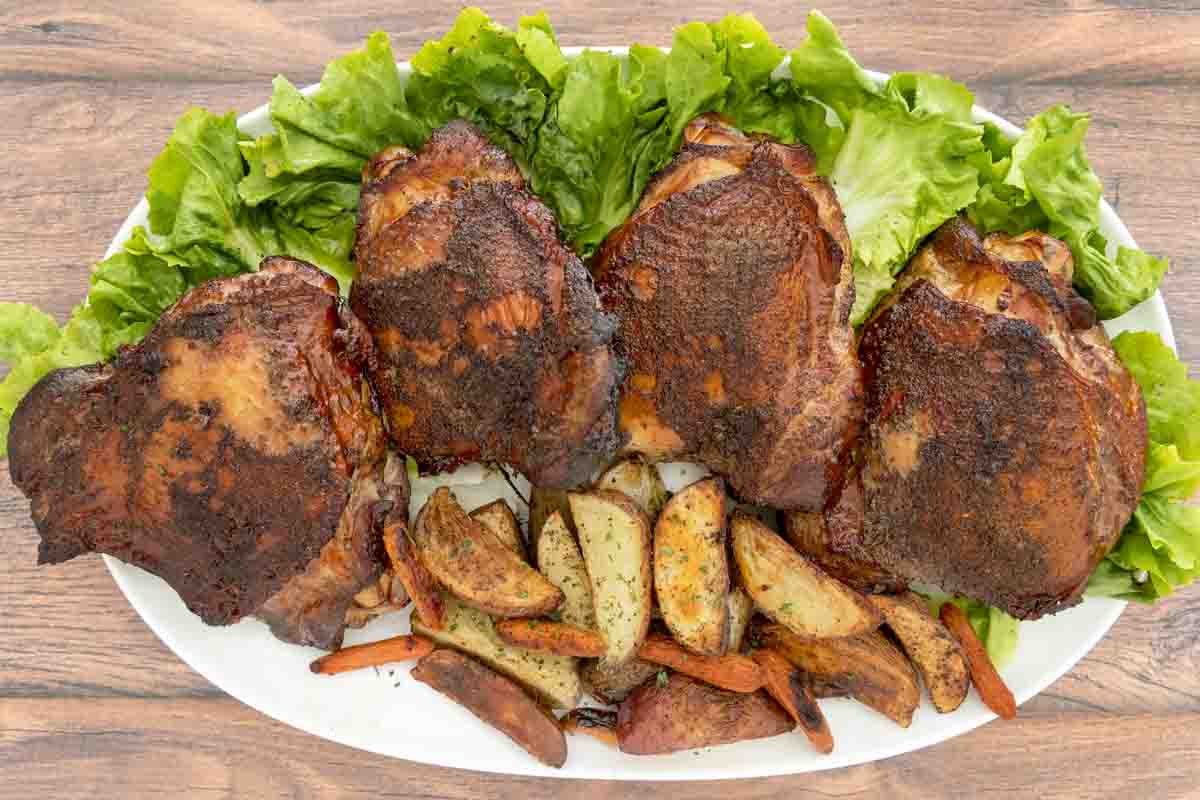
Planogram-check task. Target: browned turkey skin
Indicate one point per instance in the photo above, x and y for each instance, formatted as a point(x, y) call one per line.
point(733, 283)
point(491, 342)
point(1005, 442)
point(235, 453)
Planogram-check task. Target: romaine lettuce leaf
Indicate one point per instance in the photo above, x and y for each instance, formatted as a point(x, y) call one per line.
point(482, 72)
point(24, 330)
point(908, 162)
point(1159, 549)
point(1043, 180)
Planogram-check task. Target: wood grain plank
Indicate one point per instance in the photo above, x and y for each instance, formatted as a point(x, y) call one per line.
point(218, 748)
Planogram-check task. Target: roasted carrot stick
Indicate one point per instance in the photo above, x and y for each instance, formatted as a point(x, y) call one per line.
point(787, 685)
point(417, 581)
point(988, 683)
point(733, 672)
point(548, 636)
point(398, 648)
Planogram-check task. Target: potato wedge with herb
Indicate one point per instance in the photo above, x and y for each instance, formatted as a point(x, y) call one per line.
point(691, 571)
point(930, 646)
point(554, 679)
point(498, 518)
point(469, 561)
point(741, 609)
point(612, 683)
point(638, 481)
point(542, 504)
point(869, 667)
point(497, 701)
point(793, 591)
point(614, 537)
point(559, 559)
point(809, 532)
point(682, 713)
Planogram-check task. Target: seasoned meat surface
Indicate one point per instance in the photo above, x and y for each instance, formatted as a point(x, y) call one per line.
point(733, 283)
point(492, 344)
point(1005, 441)
point(825, 537)
point(234, 452)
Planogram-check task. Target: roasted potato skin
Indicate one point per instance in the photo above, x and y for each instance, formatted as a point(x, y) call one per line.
point(474, 565)
point(931, 647)
point(869, 667)
point(637, 480)
point(497, 701)
point(612, 683)
point(542, 503)
point(616, 541)
point(498, 518)
point(792, 590)
point(685, 714)
point(691, 571)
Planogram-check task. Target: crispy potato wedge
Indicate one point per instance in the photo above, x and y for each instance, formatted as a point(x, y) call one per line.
point(734, 672)
point(786, 683)
point(612, 683)
point(807, 533)
point(360, 656)
point(638, 481)
point(554, 679)
point(559, 559)
point(685, 714)
point(930, 646)
point(614, 537)
point(547, 636)
point(597, 723)
point(498, 518)
point(791, 590)
point(869, 667)
point(469, 561)
point(691, 572)
point(991, 687)
point(543, 503)
point(497, 701)
point(417, 582)
point(741, 609)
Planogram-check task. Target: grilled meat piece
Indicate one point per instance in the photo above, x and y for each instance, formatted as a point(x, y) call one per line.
point(733, 283)
point(1005, 441)
point(824, 536)
point(234, 452)
point(492, 345)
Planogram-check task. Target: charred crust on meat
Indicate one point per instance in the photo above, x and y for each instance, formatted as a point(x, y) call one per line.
point(221, 453)
point(1005, 442)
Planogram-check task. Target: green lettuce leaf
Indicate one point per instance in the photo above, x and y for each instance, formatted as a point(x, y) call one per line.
point(898, 176)
point(908, 161)
point(600, 143)
point(1172, 399)
point(1159, 549)
point(1043, 180)
point(24, 331)
point(482, 72)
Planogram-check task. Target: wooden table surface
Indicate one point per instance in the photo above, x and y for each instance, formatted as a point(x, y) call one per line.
point(93, 705)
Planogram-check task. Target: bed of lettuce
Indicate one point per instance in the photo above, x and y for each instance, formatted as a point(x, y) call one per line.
point(588, 132)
